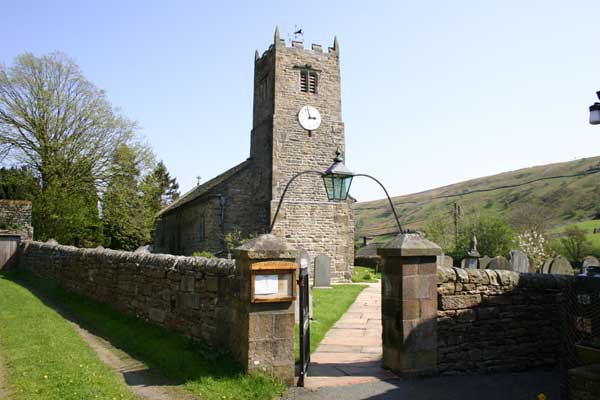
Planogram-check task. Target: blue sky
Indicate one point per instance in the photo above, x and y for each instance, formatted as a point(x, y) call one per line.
point(432, 92)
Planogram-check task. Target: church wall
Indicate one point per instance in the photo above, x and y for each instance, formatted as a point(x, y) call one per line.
point(201, 225)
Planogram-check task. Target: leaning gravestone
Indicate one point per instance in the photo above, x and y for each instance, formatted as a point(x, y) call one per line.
point(519, 262)
point(484, 261)
point(589, 261)
point(499, 262)
point(322, 271)
point(561, 266)
point(546, 266)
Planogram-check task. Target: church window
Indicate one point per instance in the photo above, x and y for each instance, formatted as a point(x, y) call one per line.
point(308, 82)
point(200, 229)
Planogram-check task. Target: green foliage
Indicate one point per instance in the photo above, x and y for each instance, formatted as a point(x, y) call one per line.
point(573, 244)
point(45, 358)
point(127, 223)
point(495, 235)
point(365, 274)
point(18, 184)
point(205, 254)
point(235, 238)
point(208, 374)
point(68, 212)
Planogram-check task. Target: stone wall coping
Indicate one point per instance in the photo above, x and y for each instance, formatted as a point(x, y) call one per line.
point(15, 202)
point(267, 246)
point(501, 277)
point(213, 266)
point(410, 245)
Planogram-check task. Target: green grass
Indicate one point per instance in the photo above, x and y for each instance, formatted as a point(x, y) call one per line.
point(562, 200)
point(587, 226)
point(45, 357)
point(365, 274)
point(202, 372)
point(329, 306)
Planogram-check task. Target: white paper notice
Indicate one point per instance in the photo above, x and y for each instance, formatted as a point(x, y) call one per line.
point(266, 284)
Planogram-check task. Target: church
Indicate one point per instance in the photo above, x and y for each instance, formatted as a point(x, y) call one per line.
point(297, 126)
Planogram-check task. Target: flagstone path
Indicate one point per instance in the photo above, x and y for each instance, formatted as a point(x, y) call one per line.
point(351, 352)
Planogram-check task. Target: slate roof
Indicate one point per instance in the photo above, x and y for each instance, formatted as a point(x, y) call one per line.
point(369, 250)
point(206, 187)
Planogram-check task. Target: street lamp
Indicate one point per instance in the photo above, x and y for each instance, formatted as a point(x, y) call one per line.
point(337, 180)
point(595, 112)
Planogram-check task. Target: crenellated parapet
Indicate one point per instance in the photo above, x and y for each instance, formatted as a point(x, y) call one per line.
point(279, 43)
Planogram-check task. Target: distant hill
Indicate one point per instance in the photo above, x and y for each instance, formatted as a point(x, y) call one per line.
point(567, 192)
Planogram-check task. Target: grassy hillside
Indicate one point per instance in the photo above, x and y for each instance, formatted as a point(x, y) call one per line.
point(567, 192)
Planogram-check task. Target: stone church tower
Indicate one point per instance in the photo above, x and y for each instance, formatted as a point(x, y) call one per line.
point(297, 126)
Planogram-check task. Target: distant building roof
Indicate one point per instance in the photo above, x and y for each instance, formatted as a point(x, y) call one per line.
point(369, 250)
point(206, 187)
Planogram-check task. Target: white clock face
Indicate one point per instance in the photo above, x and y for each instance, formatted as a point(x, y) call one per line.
point(309, 118)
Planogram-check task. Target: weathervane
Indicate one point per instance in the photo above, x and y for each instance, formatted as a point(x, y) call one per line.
point(297, 33)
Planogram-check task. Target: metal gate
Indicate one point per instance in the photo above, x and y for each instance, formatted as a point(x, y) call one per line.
point(304, 327)
point(8, 250)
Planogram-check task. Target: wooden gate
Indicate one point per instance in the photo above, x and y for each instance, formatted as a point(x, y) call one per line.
point(8, 250)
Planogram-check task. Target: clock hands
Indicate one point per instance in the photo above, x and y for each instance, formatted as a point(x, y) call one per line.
point(309, 116)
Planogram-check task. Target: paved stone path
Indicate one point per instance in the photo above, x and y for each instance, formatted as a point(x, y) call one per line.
point(351, 351)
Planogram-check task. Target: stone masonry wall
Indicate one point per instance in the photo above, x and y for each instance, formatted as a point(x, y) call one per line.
point(194, 296)
point(310, 220)
point(497, 321)
point(15, 218)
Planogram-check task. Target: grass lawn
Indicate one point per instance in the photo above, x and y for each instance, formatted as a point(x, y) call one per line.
point(587, 226)
point(202, 372)
point(329, 306)
point(365, 274)
point(45, 358)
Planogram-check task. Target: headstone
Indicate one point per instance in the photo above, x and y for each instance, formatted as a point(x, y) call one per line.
point(322, 271)
point(546, 265)
point(447, 261)
point(469, 263)
point(484, 262)
point(519, 262)
point(499, 262)
point(589, 261)
point(561, 266)
point(147, 249)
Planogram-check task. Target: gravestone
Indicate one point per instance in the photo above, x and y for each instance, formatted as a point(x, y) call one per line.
point(447, 261)
point(469, 263)
point(519, 262)
point(589, 261)
point(499, 262)
point(546, 266)
point(561, 266)
point(484, 262)
point(322, 271)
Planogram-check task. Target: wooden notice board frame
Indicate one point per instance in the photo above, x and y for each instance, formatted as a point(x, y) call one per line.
point(281, 268)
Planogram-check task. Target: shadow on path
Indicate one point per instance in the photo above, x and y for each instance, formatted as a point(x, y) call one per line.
point(515, 386)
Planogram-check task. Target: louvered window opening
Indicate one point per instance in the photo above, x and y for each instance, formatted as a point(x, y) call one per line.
point(308, 82)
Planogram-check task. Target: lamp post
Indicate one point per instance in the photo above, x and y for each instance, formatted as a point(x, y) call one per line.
point(595, 112)
point(337, 180)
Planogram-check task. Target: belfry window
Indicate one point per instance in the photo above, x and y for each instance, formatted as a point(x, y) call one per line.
point(308, 82)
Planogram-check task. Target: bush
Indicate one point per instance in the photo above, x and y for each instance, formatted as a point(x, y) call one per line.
point(205, 254)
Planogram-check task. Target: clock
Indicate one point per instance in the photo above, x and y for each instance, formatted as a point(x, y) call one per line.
point(309, 118)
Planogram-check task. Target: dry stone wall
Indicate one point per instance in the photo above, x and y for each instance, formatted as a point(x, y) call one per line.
point(497, 320)
point(197, 297)
point(15, 218)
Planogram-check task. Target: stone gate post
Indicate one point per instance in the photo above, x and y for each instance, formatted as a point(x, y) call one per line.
point(409, 304)
point(265, 319)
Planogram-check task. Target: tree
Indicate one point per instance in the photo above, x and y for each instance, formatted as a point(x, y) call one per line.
point(126, 218)
point(159, 188)
point(54, 121)
point(574, 245)
point(495, 236)
point(439, 229)
point(18, 184)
